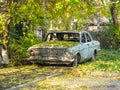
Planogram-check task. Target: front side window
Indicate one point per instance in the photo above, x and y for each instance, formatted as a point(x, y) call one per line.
point(83, 40)
point(88, 38)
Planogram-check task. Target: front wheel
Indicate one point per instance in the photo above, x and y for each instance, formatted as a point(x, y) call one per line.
point(76, 60)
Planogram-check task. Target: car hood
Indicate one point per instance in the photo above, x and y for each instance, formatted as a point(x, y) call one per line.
point(56, 44)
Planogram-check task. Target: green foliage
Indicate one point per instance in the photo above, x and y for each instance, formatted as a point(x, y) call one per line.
point(108, 38)
point(30, 11)
point(35, 13)
point(107, 61)
point(18, 47)
point(2, 28)
point(68, 10)
point(31, 14)
point(57, 44)
point(117, 33)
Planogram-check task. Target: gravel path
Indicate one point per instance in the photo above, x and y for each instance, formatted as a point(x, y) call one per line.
point(73, 83)
point(77, 83)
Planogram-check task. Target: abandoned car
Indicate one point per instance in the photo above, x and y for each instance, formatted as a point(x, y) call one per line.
point(65, 48)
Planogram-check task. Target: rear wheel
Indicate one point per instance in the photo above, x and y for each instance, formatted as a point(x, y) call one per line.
point(94, 56)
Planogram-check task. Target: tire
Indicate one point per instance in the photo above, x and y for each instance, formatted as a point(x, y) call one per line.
point(78, 58)
point(93, 57)
point(76, 61)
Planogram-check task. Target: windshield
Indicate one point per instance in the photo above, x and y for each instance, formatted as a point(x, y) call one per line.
point(63, 37)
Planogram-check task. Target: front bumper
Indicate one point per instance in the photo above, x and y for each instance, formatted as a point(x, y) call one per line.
point(52, 60)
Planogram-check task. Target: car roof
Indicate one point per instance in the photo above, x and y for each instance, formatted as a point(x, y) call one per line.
point(66, 32)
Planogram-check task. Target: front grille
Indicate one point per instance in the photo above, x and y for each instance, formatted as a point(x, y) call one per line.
point(50, 51)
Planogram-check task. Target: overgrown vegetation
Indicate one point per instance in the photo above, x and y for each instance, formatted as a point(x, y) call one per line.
point(2, 29)
point(57, 44)
point(18, 47)
point(60, 14)
point(34, 13)
point(107, 61)
point(109, 37)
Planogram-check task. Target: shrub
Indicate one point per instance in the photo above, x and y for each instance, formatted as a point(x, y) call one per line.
point(18, 47)
point(2, 29)
point(108, 38)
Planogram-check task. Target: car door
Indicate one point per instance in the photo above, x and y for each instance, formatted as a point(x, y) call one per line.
point(84, 47)
point(90, 44)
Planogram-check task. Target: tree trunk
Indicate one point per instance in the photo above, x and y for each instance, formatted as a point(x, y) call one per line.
point(115, 22)
point(5, 58)
point(4, 47)
point(114, 15)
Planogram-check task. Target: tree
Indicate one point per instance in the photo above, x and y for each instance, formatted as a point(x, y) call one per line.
point(114, 14)
point(5, 23)
point(114, 8)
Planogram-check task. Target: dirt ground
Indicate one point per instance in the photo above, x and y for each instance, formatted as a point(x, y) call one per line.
point(76, 83)
point(62, 81)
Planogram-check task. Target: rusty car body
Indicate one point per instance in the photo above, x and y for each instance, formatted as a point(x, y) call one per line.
point(65, 47)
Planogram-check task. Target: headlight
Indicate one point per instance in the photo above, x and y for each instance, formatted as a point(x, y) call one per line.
point(69, 55)
point(31, 52)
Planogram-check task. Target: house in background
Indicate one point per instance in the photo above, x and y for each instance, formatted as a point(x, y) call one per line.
point(97, 24)
point(40, 32)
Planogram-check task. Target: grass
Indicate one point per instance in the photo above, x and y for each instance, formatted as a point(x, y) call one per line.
point(106, 61)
